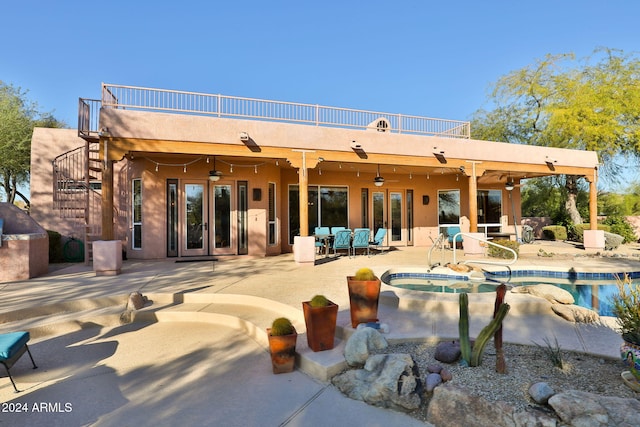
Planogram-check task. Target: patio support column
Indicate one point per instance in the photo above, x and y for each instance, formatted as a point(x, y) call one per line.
point(107, 196)
point(304, 245)
point(473, 198)
point(593, 201)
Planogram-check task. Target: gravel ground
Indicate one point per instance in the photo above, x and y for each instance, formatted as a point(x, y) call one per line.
point(526, 365)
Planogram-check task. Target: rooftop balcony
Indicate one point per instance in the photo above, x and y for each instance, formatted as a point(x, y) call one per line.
point(180, 102)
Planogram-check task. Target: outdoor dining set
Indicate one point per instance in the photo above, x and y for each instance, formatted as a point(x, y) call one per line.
point(345, 239)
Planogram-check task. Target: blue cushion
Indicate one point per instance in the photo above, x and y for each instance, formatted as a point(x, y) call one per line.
point(11, 343)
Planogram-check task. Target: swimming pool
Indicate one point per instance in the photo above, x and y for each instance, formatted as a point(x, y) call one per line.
point(590, 290)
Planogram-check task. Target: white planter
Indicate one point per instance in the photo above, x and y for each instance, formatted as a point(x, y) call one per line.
point(107, 257)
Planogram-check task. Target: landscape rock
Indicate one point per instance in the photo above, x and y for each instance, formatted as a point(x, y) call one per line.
point(447, 352)
point(433, 380)
point(612, 241)
point(541, 392)
point(575, 313)
point(360, 344)
point(136, 301)
point(387, 380)
point(579, 408)
point(551, 293)
point(453, 406)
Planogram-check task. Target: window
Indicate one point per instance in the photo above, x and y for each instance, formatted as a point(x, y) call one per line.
point(328, 206)
point(271, 220)
point(448, 208)
point(136, 213)
point(489, 210)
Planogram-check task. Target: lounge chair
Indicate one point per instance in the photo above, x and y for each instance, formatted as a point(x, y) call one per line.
point(378, 239)
point(451, 232)
point(321, 234)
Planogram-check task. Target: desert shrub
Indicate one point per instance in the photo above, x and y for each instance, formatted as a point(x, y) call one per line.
point(497, 252)
point(619, 225)
point(554, 232)
point(579, 231)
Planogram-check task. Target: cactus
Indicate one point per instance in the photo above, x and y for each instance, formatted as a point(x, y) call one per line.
point(473, 357)
point(463, 329)
point(486, 333)
point(365, 274)
point(319, 301)
point(501, 364)
point(281, 326)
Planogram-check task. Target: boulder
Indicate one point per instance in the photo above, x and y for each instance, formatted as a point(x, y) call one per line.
point(453, 406)
point(579, 408)
point(387, 380)
point(359, 345)
point(612, 241)
point(575, 313)
point(553, 294)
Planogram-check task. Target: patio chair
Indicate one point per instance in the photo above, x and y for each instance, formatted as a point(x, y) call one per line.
point(451, 232)
point(378, 239)
point(361, 238)
point(342, 240)
point(12, 346)
point(321, 242)
point(334, 230)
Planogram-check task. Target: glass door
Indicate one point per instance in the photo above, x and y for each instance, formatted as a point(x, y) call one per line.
point(221, 230)
point(243, 219)
point(196, 241)
point(395, 215)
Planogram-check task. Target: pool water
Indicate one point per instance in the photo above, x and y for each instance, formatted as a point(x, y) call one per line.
point(592, 294)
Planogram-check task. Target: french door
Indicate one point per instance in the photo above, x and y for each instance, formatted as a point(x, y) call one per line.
point(387, 212)
point(215, 218)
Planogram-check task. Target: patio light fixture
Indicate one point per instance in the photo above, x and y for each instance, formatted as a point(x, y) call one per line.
point(378, 180)
point(214, 174)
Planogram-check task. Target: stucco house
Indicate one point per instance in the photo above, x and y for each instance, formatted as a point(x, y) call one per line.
point(181, 174)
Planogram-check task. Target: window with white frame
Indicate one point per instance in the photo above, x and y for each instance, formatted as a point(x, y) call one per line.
point(271, 225)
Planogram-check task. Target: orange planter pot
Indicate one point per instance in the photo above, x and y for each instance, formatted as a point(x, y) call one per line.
point(363, 300)
point(283, 352)
point(321, 325)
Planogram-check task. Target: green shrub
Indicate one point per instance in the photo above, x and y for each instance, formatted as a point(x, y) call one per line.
point(55, 246)
point(579, 231)
point(554, 232)
point(281, 326)
point(497, 252)
point(619, 225)
point(365, 274)
point(319, 301)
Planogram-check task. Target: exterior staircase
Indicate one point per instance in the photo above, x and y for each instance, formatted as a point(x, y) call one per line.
point(77, 179)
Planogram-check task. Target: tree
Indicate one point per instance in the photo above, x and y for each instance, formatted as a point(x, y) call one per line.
point(18, 117)
point(590, 105)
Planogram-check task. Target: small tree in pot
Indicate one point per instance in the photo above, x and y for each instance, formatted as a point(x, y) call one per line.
point(282, 345)
point(364, 293)
point(320, 316)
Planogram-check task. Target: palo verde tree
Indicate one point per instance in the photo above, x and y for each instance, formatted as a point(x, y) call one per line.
point(591, 104)
point(18, 117)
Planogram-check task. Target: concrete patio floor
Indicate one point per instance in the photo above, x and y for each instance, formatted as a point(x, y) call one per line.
point(197, 355)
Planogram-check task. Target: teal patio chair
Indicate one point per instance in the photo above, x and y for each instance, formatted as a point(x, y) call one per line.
point(342, 240)
point(334, 230)
point(378, 239)
point(321, 234)
point(451, 232)
point(361, 238)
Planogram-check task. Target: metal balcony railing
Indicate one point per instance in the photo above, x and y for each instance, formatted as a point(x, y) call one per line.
point(139, 98)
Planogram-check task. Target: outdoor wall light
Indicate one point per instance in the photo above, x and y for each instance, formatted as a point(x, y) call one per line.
point(214, 174)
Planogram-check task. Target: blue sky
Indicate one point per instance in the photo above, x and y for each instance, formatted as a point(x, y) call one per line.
point(426, 58)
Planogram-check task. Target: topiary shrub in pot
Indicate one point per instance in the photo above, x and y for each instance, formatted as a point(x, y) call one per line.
point(364, 293)
point(282, 345)
point(320, 317)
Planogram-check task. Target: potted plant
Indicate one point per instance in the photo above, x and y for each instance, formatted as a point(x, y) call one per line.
point(626, 308)
point(320, 316)
point(282, 345)
point(364, 292)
